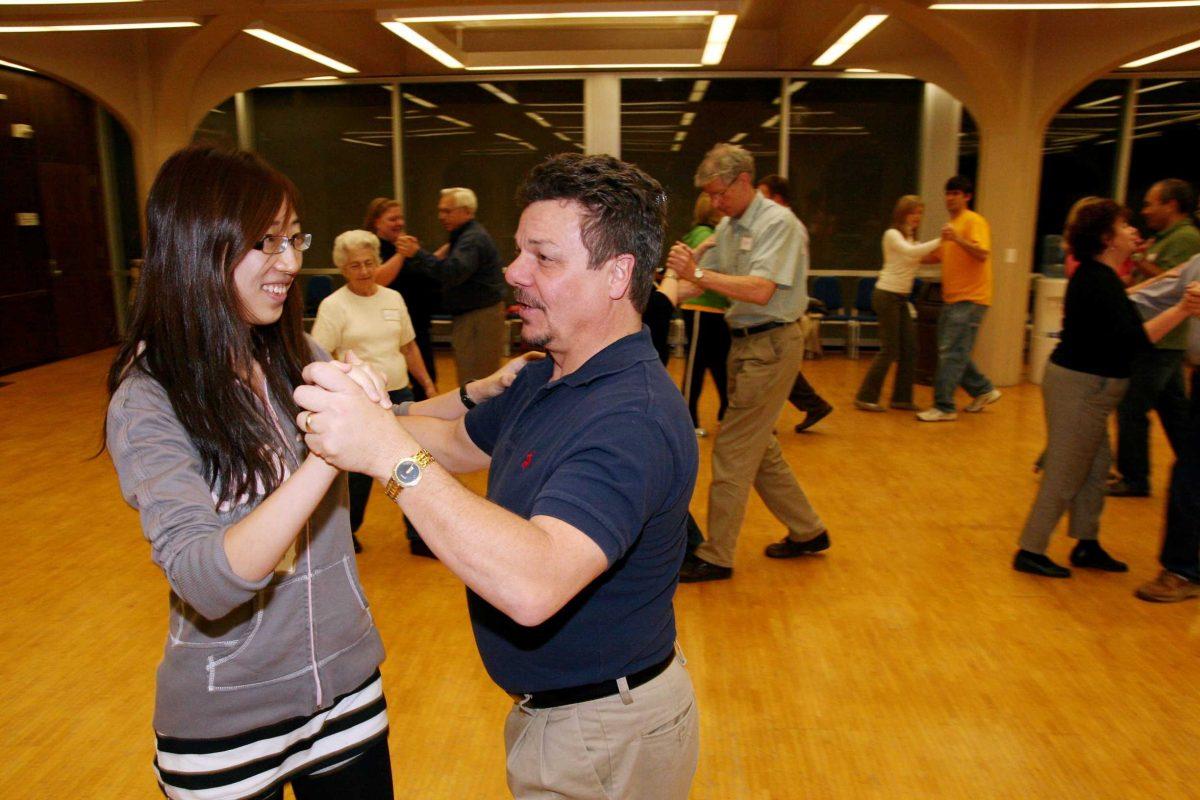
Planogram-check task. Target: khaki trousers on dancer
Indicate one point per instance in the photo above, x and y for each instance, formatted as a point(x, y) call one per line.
point(746, 453)
point(478, 340)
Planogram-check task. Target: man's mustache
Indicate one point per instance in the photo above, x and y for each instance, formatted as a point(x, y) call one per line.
point(524, 299)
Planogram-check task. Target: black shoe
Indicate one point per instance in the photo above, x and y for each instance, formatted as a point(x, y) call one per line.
point(418, 548)
point(357, 543)
point(790, 548)
point(1038, 564)
point(697, 570)
point(1090, 555)
point(813, 417)
point(1123, 489)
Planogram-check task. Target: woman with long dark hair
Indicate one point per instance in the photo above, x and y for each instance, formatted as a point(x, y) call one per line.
point(1084, 381)
point(270, 672)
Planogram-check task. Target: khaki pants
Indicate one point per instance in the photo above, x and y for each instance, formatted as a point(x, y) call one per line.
point(478, 340)
point(608, 749)
point(746, 453)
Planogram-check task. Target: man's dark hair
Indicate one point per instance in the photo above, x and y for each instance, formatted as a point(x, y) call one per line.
point(625, 211)
point(960, 183)
point(1090, 226)
point(777, 185)
point(1181, 192)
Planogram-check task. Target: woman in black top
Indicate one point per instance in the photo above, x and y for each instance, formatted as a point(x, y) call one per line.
point(1085, 379)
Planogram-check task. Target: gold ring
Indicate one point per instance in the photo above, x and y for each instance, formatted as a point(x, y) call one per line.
point(308, 421)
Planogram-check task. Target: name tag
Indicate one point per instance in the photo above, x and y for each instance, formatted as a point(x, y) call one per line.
point(391, 314)
point(745, 243)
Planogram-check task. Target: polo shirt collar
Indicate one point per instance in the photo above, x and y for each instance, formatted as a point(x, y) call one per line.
point(1163, 234)
point(617, 357)
point(752, 211)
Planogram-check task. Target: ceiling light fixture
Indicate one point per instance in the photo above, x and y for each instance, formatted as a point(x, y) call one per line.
point(562, 136)
point(680, 136)
point(61, 2)
point(510, 137)
point(698, 90)
point(503, 95)
point(526, 17)
point(360, 141)
point(539, 119)
point(687, 119)
point(772, 122)
point(424, 45)
point(454, 120)
point(11, 65)
point(100, 26)
point(608, 65)
point(860, 70)
point(322, 78)
point(1063, 6)
point(1165, 54)
point(737, 137)
point(858, 31)
point(298, 49)
point(412, 98)
point(718, 37)
point(1106, 100)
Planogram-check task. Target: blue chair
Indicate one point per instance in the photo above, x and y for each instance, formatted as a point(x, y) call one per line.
point(828, 290)
point(864, 314)
point(317, 289)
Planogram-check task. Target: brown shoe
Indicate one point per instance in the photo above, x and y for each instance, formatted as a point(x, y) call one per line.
point(1168, 588)
point(790, 548)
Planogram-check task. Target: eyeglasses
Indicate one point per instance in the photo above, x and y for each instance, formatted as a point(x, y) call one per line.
point(274, 245)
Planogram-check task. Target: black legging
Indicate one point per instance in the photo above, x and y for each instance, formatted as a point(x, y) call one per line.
point(712, 354)
point(367, 777)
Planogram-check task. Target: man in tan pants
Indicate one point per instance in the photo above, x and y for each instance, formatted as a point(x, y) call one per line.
point(758, 258)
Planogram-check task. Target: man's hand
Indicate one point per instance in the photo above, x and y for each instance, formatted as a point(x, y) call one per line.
point(1191, 299)
point(442, 251)
point(370, 380)
point(407, 245)
point(682, 261)
point(948, 234)
point(495, 384)
point(344, 427)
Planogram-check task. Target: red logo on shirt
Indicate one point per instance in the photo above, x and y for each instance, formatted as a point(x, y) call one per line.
point(528, 460)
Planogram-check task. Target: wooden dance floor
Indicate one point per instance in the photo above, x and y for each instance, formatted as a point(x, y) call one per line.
point(909, 661)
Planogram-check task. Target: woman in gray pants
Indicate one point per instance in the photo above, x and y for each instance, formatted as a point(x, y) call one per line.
point(1085, 379)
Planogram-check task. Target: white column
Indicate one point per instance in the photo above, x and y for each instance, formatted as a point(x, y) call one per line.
point(397, 145)
point(602, 114)
point(245, 121)
point(941, 120)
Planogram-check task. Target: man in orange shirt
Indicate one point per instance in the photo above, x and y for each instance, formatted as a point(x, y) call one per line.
point(967, 293)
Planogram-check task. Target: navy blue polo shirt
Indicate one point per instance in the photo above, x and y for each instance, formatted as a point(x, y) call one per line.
point(610, 450)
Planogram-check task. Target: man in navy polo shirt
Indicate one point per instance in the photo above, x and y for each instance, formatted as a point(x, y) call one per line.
point(571, 561)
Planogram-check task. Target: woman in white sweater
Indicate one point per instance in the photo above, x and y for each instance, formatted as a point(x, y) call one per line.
point(902, 257)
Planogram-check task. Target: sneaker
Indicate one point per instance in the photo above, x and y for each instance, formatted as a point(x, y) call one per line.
point(935, 414)
point(985, 399)
point(1167, 588)
point(790, 548)
point(863, 405)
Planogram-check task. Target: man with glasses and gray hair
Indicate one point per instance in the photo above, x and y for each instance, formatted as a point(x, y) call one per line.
point(469, 270)
point(758, 258)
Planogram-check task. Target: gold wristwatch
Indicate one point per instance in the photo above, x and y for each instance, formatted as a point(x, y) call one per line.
point(407, 473)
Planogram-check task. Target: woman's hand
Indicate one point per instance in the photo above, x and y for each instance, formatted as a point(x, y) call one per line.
point(370, 380)
point(495, 384)
point(1191, 299)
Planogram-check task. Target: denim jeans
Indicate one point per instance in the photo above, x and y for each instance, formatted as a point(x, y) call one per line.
point(957, 328)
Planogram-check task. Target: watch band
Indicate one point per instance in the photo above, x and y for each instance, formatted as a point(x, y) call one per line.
point(467, 402)
point(422, 458)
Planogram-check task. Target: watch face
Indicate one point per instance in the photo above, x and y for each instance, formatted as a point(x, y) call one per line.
point(408, 472)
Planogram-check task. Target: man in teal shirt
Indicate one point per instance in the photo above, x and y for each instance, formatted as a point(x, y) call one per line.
point(1157, 379)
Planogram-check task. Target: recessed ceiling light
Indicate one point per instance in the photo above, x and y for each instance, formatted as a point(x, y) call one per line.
point(607, 65)
point(698, 90)
point(412, 98)
point(858, 31)
point(454, 120)
point(687, 118)
point(99, 26)
point(539, 119)
point(1063, 6)
point(680, 136)
point(360, 141)
point(11, 65)
point(520, 17)
point(323, 78)
point(1165, 54)
point(1106, 100)
point(298, 49)
point(737, 137)
point(509, 136)
point(718, 37)
point(424, 45)
point(503, 95)
point(772, 122)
